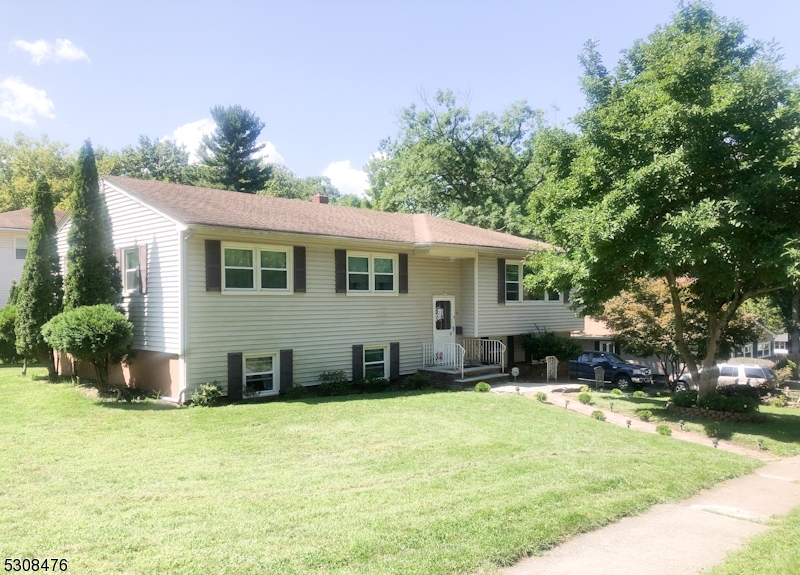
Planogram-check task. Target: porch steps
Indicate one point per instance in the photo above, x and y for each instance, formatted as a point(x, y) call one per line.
point(449, 379)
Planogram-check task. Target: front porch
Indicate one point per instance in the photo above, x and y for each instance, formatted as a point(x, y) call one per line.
point(456, 366)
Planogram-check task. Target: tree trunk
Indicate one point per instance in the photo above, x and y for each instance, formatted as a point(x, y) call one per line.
point(707, 384)
point(794, 331)
point(24, 365)
point(52, 374)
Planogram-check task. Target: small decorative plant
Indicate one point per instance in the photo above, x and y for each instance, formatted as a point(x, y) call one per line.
point(712, 429)
point(334, 383)
point(206, 395)
point(585, 398)
point(541, 396)
point(644, 414)
point(639, 393)
point(616, 391)
point(664, 430)
point(483, 387)
point(598, 415)
point(584, 389)
point(416, 381)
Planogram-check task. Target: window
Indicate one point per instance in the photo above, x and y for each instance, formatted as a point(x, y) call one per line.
point(780, 345)
point(274, 270)
point(256, 268)
point(367, 273)
point(729, 371)
point(607, 346)
point(553, 296)
point(20, 248)
point(763, 349)
point(131, 279)
point(375, 363)
point(537, 296)
point(747, 351)
point(513, 281)
point(753, 373)
point(259, 374)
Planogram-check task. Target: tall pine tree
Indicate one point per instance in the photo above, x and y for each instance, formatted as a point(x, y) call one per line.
point(40, 288)
point(93, 275)
point(229, 154)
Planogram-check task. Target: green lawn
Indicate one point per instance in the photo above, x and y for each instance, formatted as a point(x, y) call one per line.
point(780, 433)
point(775, 552)
point(422, 483)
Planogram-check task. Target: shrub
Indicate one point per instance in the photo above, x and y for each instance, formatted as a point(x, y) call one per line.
point(372, 384)
point(754, 393)
point(206, 395)
point(541, 396)
point(735, 403)
point(8, 337)
point(686, 398)
point(294, 392)
point(598, 415)
point(783, 374)
point(712, 429)
point(644, 414)
point(780, 401)
point(416, 381)
point(639, 393)
point(585, 398)
point(97, 333)
point(664, 430)
point(616, 391)
point(543, 343)
point(334, 383)
point(584, 389)
point(483, 387)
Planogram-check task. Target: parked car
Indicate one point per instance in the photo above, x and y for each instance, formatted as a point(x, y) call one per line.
point(734, 374)
point(617, 371)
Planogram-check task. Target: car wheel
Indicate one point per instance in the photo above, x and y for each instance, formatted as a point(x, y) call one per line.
point(624, 383)
point(681, 386)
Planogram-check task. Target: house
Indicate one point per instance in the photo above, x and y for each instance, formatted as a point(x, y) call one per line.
point(261, 293)
point(14, 228)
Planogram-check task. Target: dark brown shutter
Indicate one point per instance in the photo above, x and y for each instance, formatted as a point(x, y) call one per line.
point(566, 296)
point(358, 363)
point(501, 280)
point(340, 257)
point(597, 345)
point(213, 265)
point(120, 266)
point(510, 349)
point(459, 330)
point(287, 370)
point(403, 282)
point(143, 268)
point(394, 360)
point(300, 269)
point(617, 349)
point(235, 375)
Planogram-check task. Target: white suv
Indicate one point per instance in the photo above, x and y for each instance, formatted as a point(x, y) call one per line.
point(734, 374)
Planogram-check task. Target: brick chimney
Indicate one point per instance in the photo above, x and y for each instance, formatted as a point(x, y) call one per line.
point(319, 199)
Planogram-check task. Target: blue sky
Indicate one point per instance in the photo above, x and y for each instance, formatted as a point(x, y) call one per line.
point(327, 78)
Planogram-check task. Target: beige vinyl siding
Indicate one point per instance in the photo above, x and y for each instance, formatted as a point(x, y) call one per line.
point(10, 267)
point(320, 326)
point(468, 297)
point(517, 317)
point(154, 315)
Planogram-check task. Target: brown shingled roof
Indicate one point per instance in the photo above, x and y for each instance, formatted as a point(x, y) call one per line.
point(21, 219)
point(209, 207)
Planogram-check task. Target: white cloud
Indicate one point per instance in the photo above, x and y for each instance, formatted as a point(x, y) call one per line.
point(22, 103)
point(59, 51)
point(191, 134)
point(346, 178)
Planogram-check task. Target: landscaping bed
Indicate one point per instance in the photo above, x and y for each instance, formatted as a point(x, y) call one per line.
point(717, 415)
point(404, 482)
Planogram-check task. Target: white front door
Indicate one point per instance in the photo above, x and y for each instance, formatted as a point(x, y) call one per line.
point(444, 319)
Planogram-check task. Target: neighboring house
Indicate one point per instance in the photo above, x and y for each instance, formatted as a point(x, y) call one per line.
point(597, 336)
point(780, 345)
point(263, 292)
point(765, 346)
point(14, 228)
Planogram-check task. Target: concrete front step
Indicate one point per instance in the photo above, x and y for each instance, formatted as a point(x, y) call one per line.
point(490, 378)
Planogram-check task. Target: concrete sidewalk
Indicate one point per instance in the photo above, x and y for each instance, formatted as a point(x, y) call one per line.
point(680, 538)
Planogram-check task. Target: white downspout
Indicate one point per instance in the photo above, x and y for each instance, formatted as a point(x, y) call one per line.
point(183, 236)
point(475, 276)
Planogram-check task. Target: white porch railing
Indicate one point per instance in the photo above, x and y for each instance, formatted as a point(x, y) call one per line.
point(443, 355)
point(491, 351)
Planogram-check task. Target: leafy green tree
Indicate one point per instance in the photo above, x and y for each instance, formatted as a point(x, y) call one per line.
point(686, 167)
point(540, 344)
point(283, 183)
point(229, 154)
point(161, 160)
point(93, 276)
point(8, 337)
point(40, 287)
point(97, 333)
point(447, 163)
point(24, 160)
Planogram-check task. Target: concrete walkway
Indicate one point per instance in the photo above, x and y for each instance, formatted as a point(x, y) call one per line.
point(680, 538)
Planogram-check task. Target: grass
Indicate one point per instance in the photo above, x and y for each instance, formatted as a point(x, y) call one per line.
point(780, 433)
point(416, 483)
point(774, 552)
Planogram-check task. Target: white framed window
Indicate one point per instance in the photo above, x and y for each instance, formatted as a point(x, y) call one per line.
point(607, 347)
point(261, 373)
point(371, 273)
point(747, 350)
point(376, 361)
point(763, 349)
point(514, 274)
point(553, 296)
point(131, 278)
point(256, 268)
point(20, 248)
point(781, 345)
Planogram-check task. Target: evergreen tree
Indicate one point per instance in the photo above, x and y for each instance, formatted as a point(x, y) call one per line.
point(229, 153)
point(40, 288)
point(93, 276)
